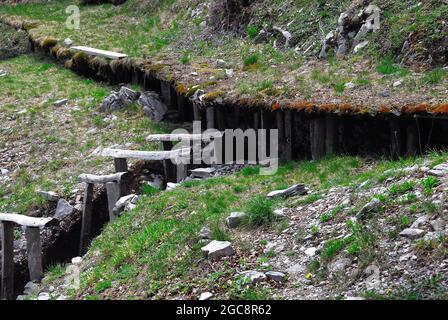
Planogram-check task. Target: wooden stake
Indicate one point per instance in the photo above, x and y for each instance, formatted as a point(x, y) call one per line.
point(197, 116)
point(34, 250)
point(166, 93)
point(121, 165)
point(331, 135)
point(317, 138)
point(7, 261)
point(113, 195)
point(396, 145)
point(86, 227)
point(288, 135)
point(281, 134)
point(411, 140)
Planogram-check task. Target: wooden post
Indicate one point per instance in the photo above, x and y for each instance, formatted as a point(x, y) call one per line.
point(113, 195)
point(197, 116)
point(86, 227)
point(181, 108)
point(288, 135)
point(168, 166)
point(34, 251)
point(121, 165)
point(331, 135)
point(281, 134)
point(181, 172)
point(317, 138)
point(411, 140)
point(7, 261)
point(165, 87)
point(210, 113)
point(221, 117)
point(395, 131)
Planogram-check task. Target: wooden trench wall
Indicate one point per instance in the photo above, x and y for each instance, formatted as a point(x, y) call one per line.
point(301, 135)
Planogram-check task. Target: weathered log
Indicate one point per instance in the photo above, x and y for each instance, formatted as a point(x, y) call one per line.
point(317, 138)
point(86, 227)
point(144, 155)
point(26, 221)
point(7, 261)
point(34, 252)
point(113, 195)
point(91, 178)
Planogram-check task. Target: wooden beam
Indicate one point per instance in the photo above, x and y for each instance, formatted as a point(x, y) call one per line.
point(86, 227)
point(281, 133)
point(34, 251)
point(26, 221)
point(113, 195)
point(210, 113)
point(395, 132)
point(144, 155)
point(181, 172)
point(7, 261)
point(168, 166)
point(100, 53)
point(331, 134)
point(91, 178)
point(317, 138)
point(177, 137)
point(288, 135)
point(412, 144)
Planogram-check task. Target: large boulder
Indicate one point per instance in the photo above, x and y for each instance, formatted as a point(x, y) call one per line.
point(153, 107)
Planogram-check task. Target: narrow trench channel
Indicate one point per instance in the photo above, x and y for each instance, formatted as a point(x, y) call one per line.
point(302, 135)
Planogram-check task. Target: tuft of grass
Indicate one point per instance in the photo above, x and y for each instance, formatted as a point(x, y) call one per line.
point(387, 67)
point(252, 31)
point(402, 188)
point(251, 60)
point(429, 184)
point(434, 76)
point(330, 215)
point(185, 59)
point(259, 211)
point(219, 233)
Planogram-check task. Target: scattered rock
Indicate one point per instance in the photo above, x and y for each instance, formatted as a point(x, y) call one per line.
point(119, 100)
point(122, 203)
point(349, 85)
point(68, 42)
point(60, 103)
point(438, 224)
point(206, 296)
point(235, 219)
point(63, 210)
point(29, 288)
point(419, 222)
point(297, 189)
point(354, 298)
point(48, 195)
point(153, 107)
point(4, 171)
point(370, 207)
point(360, 46)
point(205, 233)
point(276, 276)
point(171, 185)
point(411, 233)
point(397, 83)
point(286, 34)
point(311, 252)
point(202, 173)
point(77, 260)
point(385, 93)
point(220, 63)
point(218, 249)
point(339, 265)
point(43, 296)
point(229, 73)
point(253, 276)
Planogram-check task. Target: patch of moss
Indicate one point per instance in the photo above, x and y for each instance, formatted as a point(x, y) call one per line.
point(213, 95)
point(48, 42)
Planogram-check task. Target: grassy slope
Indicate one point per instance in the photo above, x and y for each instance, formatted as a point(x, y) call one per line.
point(154, 252)
point(50, 145)
point(277, 74)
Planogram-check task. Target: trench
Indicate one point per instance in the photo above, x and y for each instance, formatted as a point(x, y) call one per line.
point(301, 135)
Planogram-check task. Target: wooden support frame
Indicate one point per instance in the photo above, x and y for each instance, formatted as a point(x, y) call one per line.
point(396, 136)
point(210, 114)
point(412, 143)
point(34, 251)
point(7, 261)
point(317, 138)
point(331, 134)
point(288, 120)
point(113, 190)
point(86, 227)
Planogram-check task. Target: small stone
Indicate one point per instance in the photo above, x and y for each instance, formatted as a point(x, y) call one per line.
point(68, 42)
point(29, 288)
point(360, 46)
point(419, 222)
point(235, 219)
point(372, 206)
point(43, 296)
point(77, 260)
point(48, 195)
point(203, 24)
point(339, 265)
point(253, 276)
point(276, 276)
point(349, 85)
point(411, 233)
point(4, 171)
point(354, 298)
point(202, 173)
point(438, 224)
point(229, 73)
point(297, 189)
point(206, 296)
point(397, 83)
point(63, 210)
point(385, 93)
point(60, 103)
point(218, 249)
point(122, 203)
point(220, 63)
point(311, 251)
point(205, 233)
point(171, 185)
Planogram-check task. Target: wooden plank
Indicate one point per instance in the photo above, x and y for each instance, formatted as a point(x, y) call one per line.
point(288, 135)
point(144, 155)
point(331, 135)
point(411, 140)
point(113, 195)
point(177, 137)
point(317, 138)
point(168, 166)
point(34, 251)
point(91, 178)
point(26, 221)
point(99, 52)
point(210, 114)
point(86, 227)
point(7, 261)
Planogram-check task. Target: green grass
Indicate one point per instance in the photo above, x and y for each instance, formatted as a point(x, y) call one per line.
point(251, 59)
point(429, 183)
point(387, 67)
point(259, 211)
point(402, 188)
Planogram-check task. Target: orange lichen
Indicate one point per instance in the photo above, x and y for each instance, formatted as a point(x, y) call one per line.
point(275, 106)
point(180, 88)
point(441, 108)
point(419, 108)
point(48, 42)
point(384, 110)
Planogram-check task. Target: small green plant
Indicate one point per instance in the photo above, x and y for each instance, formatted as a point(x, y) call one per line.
point(314, 230)
point(219, 233)
point(149, 190)
point(402, 188)
point(339, 86)
point(185, 59)
point(429, 184)
point(330, 215)
point(435, 76)
point(259, 211)
point(252, 31)
point(387, 66)
point(332, 248)
point(251, 59)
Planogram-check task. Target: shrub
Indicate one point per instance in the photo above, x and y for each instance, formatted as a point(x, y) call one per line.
point(259, 211)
